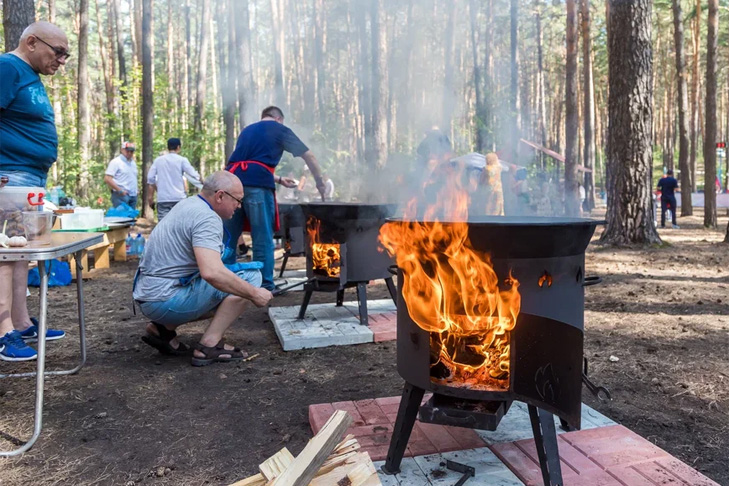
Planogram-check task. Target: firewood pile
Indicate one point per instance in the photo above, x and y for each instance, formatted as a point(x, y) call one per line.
point(327, 460)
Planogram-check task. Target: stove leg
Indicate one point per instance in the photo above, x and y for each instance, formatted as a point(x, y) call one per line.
point(305, 304)
point(283, 264)
point(362, 300)
point(340, 297)
point(392, 289)
point(406, 415)
point(545, 438)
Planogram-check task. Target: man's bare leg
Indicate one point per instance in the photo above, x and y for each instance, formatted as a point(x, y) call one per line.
point(6, 298)
point(20, 316)
point(227, 312)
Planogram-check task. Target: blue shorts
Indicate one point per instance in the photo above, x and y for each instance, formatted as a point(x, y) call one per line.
point(19, 178)
point(192, 301)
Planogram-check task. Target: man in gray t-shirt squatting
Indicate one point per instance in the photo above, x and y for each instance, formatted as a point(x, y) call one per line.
point(182, 278)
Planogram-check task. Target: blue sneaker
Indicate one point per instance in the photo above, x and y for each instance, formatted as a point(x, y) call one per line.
point(30, 335)
point(13, 348)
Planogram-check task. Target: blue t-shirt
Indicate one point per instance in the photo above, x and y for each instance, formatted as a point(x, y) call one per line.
point(667, 185)
point(28, 137)
point(264, 141)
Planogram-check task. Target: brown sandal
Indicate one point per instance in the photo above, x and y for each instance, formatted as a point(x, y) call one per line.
point(217, 354)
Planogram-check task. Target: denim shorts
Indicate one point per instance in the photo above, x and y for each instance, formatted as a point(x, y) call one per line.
point(19, 178)
point(192, 301)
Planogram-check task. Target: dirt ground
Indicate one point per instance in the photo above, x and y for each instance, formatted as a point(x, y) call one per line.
point(657, 335)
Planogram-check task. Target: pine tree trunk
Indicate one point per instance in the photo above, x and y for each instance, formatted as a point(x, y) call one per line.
point(279, 55)
point(695, 88)
point(571, 192)
point(588, 94)
point(227, 80)
point(710, 135)
point(683, 111)
point(245, 72)
point(513, 136)
point(147, 102)
point(84, 116)
point(119, 41)
point(379, 81)
point(630, 110)
point(541, 95)
point(108, 80)
point(17, 15)
point(477, 81)
point(202, 78)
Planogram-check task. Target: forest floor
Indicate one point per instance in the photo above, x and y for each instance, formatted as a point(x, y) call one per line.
point(132, 414)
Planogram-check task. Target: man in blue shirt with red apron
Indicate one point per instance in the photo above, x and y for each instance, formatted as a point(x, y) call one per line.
point(254, 160)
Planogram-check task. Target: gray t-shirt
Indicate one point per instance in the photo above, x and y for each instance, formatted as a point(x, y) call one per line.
point(168, 254)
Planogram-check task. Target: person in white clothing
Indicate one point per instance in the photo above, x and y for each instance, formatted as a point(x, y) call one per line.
point(121, 177)
point(328, 188)
point(167, 177)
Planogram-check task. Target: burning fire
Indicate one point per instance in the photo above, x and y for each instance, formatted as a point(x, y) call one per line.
point(324, 256)
point(453, 292)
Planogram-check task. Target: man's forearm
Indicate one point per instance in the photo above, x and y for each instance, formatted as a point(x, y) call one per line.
point(228, 282)
point(312, 164)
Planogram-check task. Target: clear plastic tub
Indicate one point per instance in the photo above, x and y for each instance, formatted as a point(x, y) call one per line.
point(82, 219)
point(38, 226)
point(15, 200)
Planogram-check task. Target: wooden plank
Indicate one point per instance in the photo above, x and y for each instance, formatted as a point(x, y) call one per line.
point(257, 480)
point(358, 470)
point(120, 251)
point(306, 464)
point(276, 464)
point(101, 257)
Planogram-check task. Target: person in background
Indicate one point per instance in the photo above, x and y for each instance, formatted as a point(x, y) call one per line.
point(668, 185)
point(121, 177)
point(181, 276)
point(257, 153)
point(328, 188)
point(167, 177)
point(28, 148)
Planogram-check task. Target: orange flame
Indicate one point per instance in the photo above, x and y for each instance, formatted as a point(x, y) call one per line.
point(453, 292)
point(325, 257)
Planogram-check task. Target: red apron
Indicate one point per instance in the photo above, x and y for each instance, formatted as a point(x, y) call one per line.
point(243, 165)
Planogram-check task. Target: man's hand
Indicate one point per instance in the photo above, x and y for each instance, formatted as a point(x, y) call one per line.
point(260, 297)
point(321, 187)
point(288, 182)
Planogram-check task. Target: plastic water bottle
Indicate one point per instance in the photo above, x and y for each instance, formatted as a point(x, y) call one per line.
point(139, 240)
point(130, 244)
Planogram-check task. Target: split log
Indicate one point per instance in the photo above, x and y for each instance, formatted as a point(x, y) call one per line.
point(306, 464)
point(275, 465)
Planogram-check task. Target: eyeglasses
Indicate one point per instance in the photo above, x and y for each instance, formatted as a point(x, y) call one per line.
point(239, 201)
point(61, 53)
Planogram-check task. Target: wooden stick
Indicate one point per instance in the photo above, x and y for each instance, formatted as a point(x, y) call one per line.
point(306, 464)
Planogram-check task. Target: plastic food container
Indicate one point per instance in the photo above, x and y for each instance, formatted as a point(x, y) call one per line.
point(83, 219)
point(38, 226)
point(13, 202)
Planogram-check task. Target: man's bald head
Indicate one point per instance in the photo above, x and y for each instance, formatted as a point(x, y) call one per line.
point(224, 192)
point(44, 46)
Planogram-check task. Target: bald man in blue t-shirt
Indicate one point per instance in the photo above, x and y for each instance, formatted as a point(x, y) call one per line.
point(28, 148)
point(254, 160)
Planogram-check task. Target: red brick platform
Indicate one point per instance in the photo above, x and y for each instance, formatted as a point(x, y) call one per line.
point(384, 326)
point(375, 419)
point(603, 456)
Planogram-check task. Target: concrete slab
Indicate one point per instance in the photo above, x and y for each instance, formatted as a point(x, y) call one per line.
point(516, 424)
point(430, 470)
point(328, 325)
